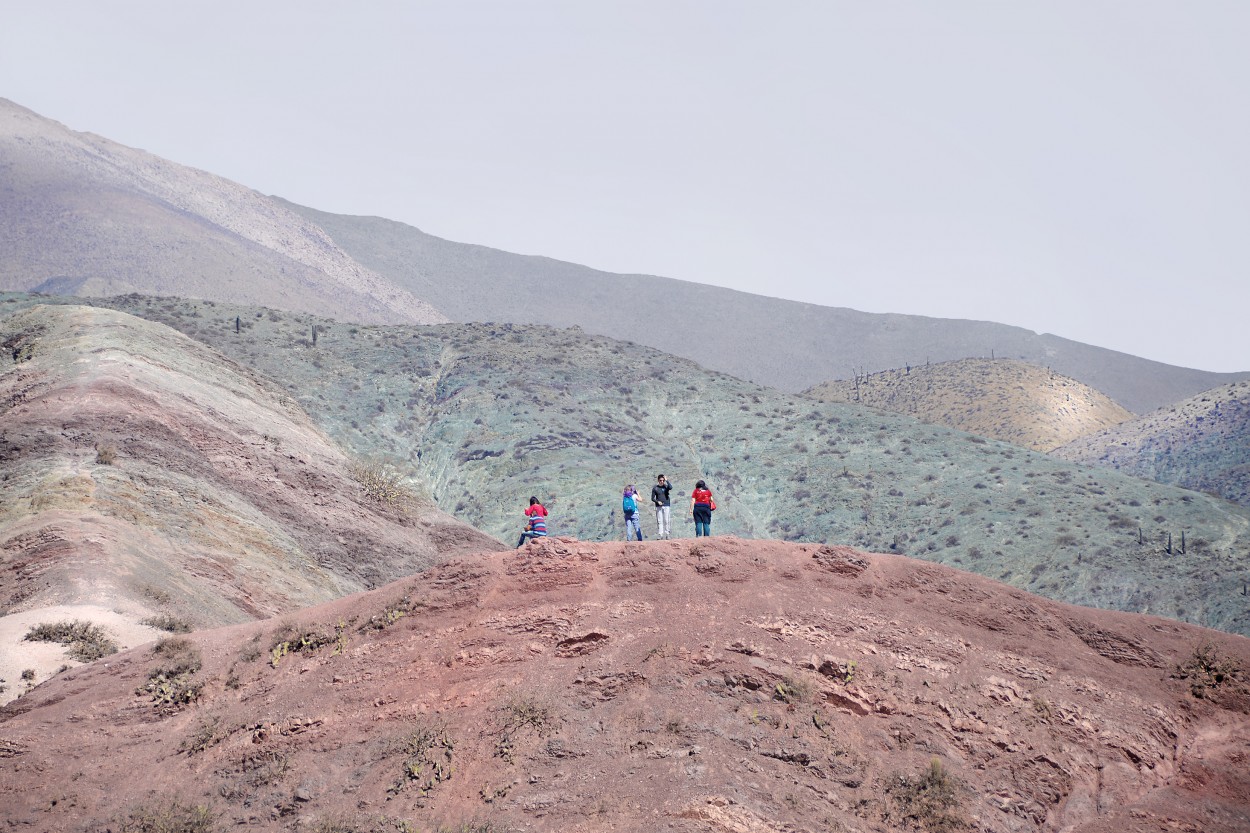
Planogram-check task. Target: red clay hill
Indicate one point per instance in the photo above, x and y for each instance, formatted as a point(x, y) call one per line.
point(697, 685)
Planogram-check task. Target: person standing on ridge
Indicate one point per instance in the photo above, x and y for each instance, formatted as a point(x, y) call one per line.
point(536, 522)
point(629, 506)
point(701, 506)
point(661, 497)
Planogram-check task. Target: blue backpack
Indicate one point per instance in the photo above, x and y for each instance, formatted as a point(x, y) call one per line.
point(629, 504)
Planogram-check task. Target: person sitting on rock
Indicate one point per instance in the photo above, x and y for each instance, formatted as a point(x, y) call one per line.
point(535, 524)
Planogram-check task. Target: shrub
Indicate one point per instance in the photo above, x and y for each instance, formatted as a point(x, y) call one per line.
point(428, 761)
point(291, 641)
point(106, 454)
point(170, 682)
point(930, 800)
point(165, 622)
point(1207, 670)
point(86, 641)
point(171, 816)
point(380, 481)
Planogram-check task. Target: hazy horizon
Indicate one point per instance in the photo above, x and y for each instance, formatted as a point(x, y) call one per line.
point(1072, 168)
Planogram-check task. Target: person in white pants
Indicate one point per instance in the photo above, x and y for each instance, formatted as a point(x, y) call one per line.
point(660, 496)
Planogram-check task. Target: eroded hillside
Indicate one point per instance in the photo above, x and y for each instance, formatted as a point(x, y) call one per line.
point(1007, 400)
point(1201, 443)
point(146, 475)
point(486, 415)
point(718, 686)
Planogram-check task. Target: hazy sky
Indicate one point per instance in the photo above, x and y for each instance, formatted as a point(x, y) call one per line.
point(1080, 168)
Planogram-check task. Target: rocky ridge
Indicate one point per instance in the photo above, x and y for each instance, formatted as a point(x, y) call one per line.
point(718, 685)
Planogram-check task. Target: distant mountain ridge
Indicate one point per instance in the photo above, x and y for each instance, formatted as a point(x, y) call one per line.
point(85, 216)
point(1013, 401)
point(80, 214)
point(783, 344)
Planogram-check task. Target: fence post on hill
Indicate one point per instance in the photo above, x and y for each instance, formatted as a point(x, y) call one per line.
point(1169, 548)
point(1182, 542)
point(237, 325)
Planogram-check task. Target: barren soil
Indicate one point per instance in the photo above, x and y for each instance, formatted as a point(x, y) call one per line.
point(712, 685)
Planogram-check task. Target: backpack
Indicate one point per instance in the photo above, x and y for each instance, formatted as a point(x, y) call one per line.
point(629, 504)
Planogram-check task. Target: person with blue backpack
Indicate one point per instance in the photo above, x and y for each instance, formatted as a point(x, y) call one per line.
point(629, 507)
point(535, 522)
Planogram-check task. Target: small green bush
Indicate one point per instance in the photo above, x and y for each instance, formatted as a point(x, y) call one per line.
point(171, 681)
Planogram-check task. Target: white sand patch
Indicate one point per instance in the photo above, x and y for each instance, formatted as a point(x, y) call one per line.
point(46, 658)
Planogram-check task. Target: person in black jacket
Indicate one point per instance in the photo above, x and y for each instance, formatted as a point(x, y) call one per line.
point(663, 506)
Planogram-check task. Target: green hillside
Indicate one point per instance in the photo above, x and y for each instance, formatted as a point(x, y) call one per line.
point(482, 416)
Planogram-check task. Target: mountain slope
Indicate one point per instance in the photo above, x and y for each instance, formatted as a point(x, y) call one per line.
point(148, 475)
point(1201, 443)
point(82, 215)
point(485, 416)
point(1012, 401)
point(782, 344)
point(720, 686)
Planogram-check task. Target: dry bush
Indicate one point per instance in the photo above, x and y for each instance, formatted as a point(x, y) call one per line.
point(165, 622)
point(1207, 670)
point(929, 801)
point(381, 482)
point(171, 816)
point(105, 455)
point(86, 642)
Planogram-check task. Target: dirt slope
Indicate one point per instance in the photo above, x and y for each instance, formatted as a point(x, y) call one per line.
point(716, 685)
point(1201, 443)
point(80, 215)
point(222, 502)
point(1013, 401)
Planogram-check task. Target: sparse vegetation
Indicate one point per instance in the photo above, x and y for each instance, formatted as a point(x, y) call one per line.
point(929, 801)
point(166, 622)
point(105, 455)
point(290, 640)
point(792, 690)
point(86, 642)
point(1206, 670)
point(170, 816)
point(381, 482)
point(428, 761)
point(208, 731)
point(391, 614)
point(171, 682)
point(520, 716)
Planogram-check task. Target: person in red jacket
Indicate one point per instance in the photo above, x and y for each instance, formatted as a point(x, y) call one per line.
point(536, 525)
point(701, 505)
